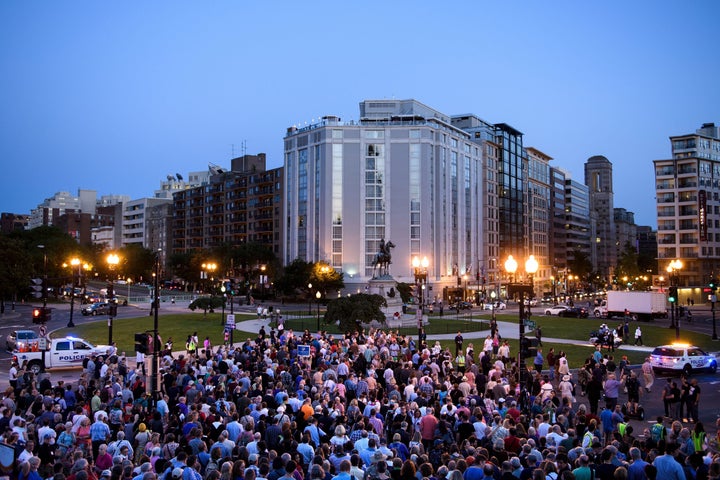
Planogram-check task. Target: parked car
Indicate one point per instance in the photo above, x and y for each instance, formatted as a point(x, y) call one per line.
point(577, 312)
point(682, 358)
point(498, 305)
point(102, 308)
point(20, 338)
point(556, 309)
point(461, 306)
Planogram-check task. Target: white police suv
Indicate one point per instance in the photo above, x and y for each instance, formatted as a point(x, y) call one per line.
point(682, 358)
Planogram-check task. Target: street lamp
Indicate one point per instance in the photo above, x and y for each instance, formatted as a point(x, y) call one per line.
point(74, 263)
point(309, 298)
point(673, 268)
point(420, 272)
point(222, 316)
point(318, 295)
point(208, 267)
point(493, 295)
point(531, 266)
point(155, 340)
point(112, 261)
point(262, 280)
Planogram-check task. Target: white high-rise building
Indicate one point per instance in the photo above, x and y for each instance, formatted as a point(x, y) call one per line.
point(404, 174)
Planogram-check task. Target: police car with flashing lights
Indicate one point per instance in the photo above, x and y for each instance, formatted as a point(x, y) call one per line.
point(63, 352)
point(682, 358)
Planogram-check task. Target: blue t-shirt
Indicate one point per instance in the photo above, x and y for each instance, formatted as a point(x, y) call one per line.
point(538, 359)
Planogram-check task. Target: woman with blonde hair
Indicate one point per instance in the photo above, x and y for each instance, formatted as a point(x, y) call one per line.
point(340, 438)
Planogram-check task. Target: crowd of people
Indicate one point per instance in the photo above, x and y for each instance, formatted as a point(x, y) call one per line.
point(364, 406)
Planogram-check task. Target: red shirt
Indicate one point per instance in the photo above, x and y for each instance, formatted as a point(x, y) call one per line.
point(428, 424)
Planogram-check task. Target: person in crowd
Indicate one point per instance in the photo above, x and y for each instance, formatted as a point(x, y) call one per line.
point(367, 405)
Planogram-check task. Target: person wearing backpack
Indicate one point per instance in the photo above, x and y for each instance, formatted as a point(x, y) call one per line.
point(115, 417)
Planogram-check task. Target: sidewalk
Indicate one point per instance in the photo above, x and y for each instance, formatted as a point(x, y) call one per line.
point(506, 330)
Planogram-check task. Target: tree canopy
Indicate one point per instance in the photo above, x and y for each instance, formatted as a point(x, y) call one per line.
point(353, 311)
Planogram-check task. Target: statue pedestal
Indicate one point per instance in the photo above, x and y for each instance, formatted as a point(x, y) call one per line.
point(394, 318)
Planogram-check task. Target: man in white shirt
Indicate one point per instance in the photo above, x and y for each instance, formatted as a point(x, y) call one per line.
point(555, 436)
point(480, 427)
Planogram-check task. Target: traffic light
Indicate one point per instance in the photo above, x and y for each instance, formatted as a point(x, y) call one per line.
point(713, 284)
point(41, 314)
point(37, 286)
point(110, 291)
point(673, 294)
point(141, 342)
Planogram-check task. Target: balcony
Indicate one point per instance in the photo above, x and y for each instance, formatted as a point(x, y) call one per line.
point(664, 171)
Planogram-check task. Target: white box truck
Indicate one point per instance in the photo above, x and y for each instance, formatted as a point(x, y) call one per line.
point(639, 305)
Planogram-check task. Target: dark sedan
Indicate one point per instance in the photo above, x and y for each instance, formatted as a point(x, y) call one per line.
point(576, 312)
point(461, 306)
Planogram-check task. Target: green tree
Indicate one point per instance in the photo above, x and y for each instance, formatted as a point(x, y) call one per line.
point(353, 311)
point(405, 290)
point(580, 264)
point(294, 278)
point(179, 266)
point(325, 279)
point(207, 303)
point(16, 269)
point(628, 262)
point(137, 262)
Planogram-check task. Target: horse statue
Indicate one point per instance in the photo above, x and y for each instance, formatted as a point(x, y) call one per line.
point(383, 259)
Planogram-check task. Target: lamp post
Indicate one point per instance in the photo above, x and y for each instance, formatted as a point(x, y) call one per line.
point(74, 263)
point(262, 281)
point(222, 316)
point(208, 267)
point(155, 342)
point(309, 298)
point(420, 272)
point(673, 268)
point(129, 281)
point(318, 295)
point(531, 266)
point(112, 261)
point(493, 295)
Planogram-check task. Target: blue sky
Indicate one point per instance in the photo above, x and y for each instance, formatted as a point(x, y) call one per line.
point(114, 96)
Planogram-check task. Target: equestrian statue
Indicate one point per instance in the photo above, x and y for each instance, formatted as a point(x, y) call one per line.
point(383, 259)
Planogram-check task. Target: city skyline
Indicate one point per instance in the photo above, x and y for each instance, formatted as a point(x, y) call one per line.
point(116, 97)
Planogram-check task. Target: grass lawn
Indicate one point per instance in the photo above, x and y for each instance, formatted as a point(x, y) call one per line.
point(179, 326)
point(437, 325)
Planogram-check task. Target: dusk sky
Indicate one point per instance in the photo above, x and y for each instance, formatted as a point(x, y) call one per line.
point(114, 96)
